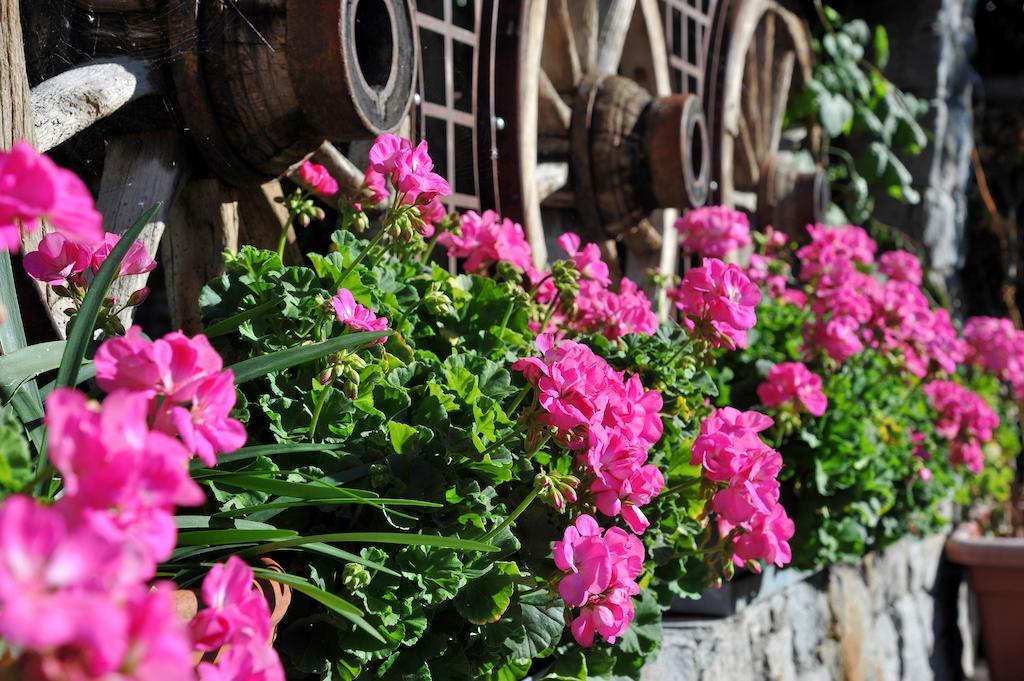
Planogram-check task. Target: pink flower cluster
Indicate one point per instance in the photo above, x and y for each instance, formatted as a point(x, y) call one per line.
point(487, 239)
point(731, 452)
point(718, 301)
point(965, 419)
point(597, 308)
point(410, 170)
point(236, 616)
point(997, 346)
point(855, 309)
point(601, 568)
point(181, 383)
point(793, 384)
point(34, 188)
point(714, 231)
point(318, 179)
point(611, 422)
point(60, 261)
point(86, 560)
point(355, 316)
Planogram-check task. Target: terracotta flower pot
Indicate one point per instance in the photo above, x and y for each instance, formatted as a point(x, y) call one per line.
point(996, 574)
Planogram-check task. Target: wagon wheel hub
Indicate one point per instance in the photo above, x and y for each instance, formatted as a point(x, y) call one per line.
point(634, 153)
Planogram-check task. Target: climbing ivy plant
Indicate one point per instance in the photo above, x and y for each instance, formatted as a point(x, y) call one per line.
point(867, 121)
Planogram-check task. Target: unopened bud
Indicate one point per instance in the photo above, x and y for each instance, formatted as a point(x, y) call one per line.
point(302, 220)
point(354, 577)
point(139, 297)
point(326, 376)
point(319, 214)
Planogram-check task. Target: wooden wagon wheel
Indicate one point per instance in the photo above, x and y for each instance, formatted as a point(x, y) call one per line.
point(766, 59)
point(593, 139)
point(258, 85)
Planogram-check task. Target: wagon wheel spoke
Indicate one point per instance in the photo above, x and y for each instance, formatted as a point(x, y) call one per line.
point(586, 27)
point(553, 114)
point(612, 40)
point(748, 171)
point(550, 177)
point(752, 97)
point(769, 87)
point(783, 81)
point(561, 57)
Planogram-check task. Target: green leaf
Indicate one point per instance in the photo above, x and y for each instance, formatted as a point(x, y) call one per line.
point(835, 112)
point(25, 364)
point(85, 320)
point(256, 367)
point(256, 451)
point(485, 599)
point(401, 538)
point(12, 331)
point(195, 522)
point(228, 325)
point(543, 618)
point(297, 490)
point(230, 536)
point(881, 46)
point(15, 460)
point(402, 436)
point(335, 603)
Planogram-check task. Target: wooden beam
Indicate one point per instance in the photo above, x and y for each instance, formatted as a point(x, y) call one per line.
point(141, 170)
point(69, 103)
point(203, 224)
point(15, 110)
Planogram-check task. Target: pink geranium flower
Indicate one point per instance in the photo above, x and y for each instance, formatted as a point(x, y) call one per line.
point(33, 188)
point(355, 316)
point(901, 266)
point(318, 179)
point(410, 169)
point(721, 296)
point(57, 260)
point(766, 538)
point(136, 261)
point(486, 239)
point(965, 419)
point(587, 260)
point(713, 231)
point(600, 569)
point(996, 346)
point(793, 383)
point(182, 381)
point(235, 611)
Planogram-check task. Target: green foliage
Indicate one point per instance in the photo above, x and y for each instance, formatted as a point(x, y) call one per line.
point(859, 108)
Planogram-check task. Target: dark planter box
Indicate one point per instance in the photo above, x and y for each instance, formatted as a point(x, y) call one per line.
point(744, 590)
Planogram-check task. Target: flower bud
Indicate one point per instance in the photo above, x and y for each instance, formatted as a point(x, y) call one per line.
point(302, 220)
point(354, 577)
point(139, 297)
point(437, 301)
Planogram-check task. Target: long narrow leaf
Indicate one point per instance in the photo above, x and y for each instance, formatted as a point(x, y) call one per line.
point(230, 536)
point(231, 323)
point(340, 554)
point(297, 490)
point(20, 366)
point(85, 320)
point(401, 538)
point(246, 453)
point(205, 522)
point(236, 512)
point(335, 603)
point(29, 405)
point(256, 367)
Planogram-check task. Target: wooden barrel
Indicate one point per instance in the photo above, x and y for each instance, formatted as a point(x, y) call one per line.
point(260, 84)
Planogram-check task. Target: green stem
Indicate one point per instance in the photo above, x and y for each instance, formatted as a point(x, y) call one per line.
point(683, 485)
point(550, 312)
point(523, 505)
point(321, 400)
point(504, 440)
point(508, 314)
point(283, 241)
point(362, 256)
point(431, 245)
point(519, 398)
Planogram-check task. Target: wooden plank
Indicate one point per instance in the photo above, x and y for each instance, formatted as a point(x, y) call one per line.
point(612, 38)
point(204, 222)
point(15, 110)
point(139, 171)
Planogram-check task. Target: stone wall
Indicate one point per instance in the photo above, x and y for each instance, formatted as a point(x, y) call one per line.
point(890, 617)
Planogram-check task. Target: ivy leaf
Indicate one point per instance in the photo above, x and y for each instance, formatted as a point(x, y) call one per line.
point(881, 46)
point(835, 112)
